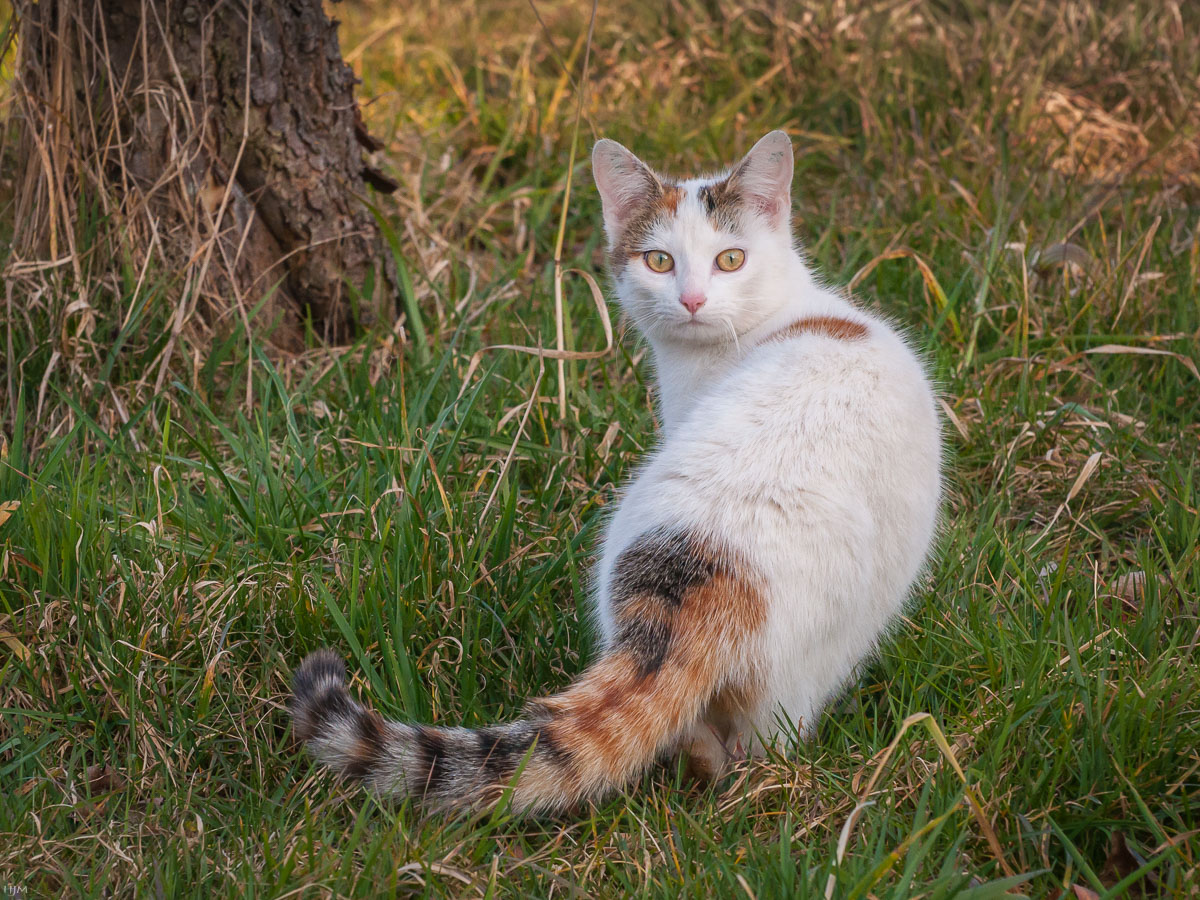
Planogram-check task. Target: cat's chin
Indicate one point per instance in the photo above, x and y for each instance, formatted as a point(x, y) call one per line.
point(695, 332)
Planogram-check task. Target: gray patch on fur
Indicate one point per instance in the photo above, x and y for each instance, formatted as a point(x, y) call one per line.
point(658, 569)
point(664, 564)
point(443, 767)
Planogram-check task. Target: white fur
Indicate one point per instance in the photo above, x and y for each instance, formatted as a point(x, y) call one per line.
point(816, 458)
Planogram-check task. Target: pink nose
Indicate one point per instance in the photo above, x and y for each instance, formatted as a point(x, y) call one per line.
point(692, 302)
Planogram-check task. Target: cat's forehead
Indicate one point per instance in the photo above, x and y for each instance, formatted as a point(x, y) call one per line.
point(696, 213)
point(691, 219)
point(697, 205)
point(674, 209)
point(712, 200)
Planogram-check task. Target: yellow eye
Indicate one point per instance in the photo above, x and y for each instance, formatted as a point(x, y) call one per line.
point(731, 260)
point(659, 260)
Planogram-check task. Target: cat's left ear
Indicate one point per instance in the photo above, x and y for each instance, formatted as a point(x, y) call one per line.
point(764, 178)
point(625, 184)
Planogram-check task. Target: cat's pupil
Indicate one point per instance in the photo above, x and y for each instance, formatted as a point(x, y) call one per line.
point(731, 260)
point(659, 261)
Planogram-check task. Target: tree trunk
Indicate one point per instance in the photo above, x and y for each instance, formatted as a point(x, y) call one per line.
point(224, 138)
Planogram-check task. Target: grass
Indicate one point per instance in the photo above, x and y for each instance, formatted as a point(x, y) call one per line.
point(425, 510)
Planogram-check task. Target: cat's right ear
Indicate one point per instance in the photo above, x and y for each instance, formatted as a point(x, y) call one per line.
point(764, 177)
point(625, 184)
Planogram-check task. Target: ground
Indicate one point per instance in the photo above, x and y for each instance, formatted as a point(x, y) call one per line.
point(1017, 185)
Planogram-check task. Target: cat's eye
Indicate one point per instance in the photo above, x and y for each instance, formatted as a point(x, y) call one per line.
point(659, 260)
point(731, 260)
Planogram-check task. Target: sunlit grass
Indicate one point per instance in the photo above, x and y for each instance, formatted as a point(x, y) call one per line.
point(173, 558)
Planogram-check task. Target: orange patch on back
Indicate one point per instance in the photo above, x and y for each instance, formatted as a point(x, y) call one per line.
point(829, 326)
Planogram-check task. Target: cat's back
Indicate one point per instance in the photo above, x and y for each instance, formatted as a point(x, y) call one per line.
point(821, 444)
point(831, 419)
point(820, 382)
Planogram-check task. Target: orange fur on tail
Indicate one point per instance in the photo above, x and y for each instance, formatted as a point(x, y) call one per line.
point(683, 617)
point(618, 717)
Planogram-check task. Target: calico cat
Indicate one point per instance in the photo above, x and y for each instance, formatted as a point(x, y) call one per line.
point(760, 552)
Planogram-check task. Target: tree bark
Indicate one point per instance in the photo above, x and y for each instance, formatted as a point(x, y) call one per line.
point(225, 138)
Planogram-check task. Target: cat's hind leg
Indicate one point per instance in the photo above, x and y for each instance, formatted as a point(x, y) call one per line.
point(724, 734)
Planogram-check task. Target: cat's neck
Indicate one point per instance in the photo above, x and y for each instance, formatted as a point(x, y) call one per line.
point(685, 372)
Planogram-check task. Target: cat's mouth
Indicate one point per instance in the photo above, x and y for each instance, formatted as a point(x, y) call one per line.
point(699, 330)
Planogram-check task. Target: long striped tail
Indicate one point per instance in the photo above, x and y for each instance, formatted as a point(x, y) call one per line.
point(683, 619)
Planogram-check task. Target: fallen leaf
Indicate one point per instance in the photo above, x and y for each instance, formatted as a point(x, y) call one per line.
point(1084, 474)
point(1067, 255)
point(22, 561)
point(1083, 893)
point(13, 643)
point(1124, 349)
point(954, 420)
point(7, 508)
point(1121, 860)
point(1131, 587)
point(104, 780)
point(610, 435)
point(318, 409)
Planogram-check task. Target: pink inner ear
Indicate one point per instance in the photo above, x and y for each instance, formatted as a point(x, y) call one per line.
point(621, 207)
point(765, 194)
point(624, 182)
point(767, 206)
point(626, 200)
point(765, 176)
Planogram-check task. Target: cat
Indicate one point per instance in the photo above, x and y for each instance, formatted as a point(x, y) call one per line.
point(758, 555)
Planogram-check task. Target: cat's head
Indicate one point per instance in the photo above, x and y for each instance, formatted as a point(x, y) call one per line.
point(701, 260)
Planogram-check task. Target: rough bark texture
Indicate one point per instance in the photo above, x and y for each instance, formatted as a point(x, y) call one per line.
point(227, 135)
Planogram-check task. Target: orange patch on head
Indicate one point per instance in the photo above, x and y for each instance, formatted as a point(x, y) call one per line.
point(669, 203)
point(829, 326)
point(662, 205)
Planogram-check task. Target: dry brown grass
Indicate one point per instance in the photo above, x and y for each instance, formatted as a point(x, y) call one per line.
point(1016, 182)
